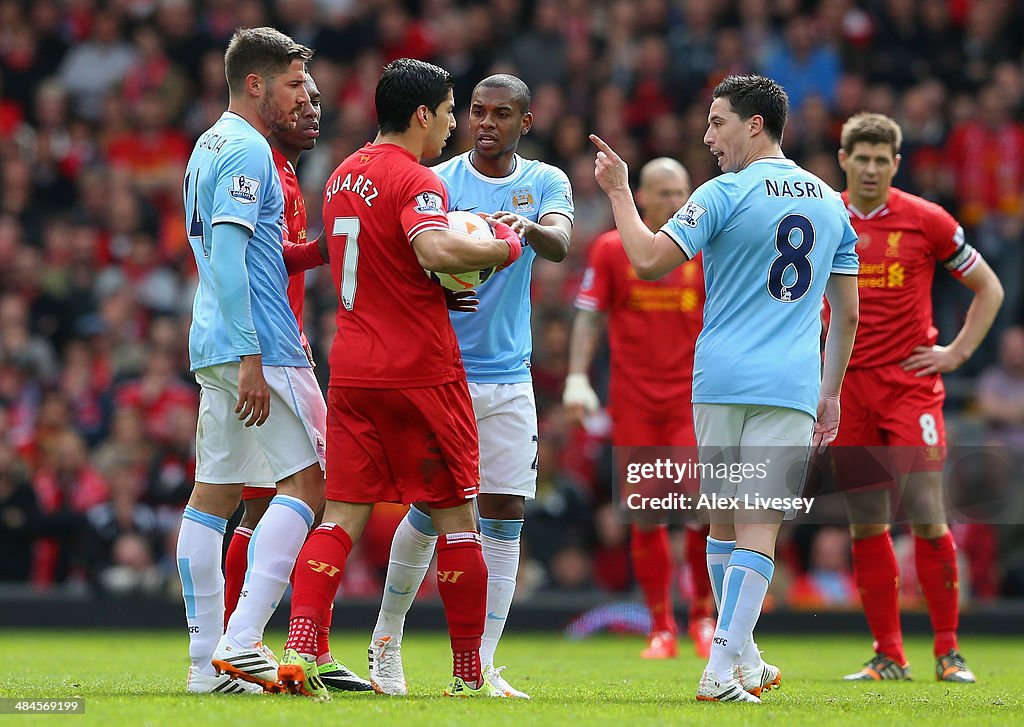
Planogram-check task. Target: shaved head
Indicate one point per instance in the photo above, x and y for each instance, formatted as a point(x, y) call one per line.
point(664, 188)
point(661, 167)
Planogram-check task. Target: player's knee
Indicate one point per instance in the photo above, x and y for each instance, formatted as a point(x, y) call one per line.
point(253, 512)
point(929, 531)
point(869, 510)
point(501, 507)
point(218, 500)
point(859, 531)
point(306, 485)
point(457, 519)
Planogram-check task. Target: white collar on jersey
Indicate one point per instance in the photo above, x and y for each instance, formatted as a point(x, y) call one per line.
point(879, 211)
point(516, 166)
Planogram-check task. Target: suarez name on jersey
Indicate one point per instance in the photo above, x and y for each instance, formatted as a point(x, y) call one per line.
point(393, 327)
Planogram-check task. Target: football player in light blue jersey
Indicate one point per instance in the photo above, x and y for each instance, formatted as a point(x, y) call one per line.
point(775, 240)
point(261, 413)
point(496, 341)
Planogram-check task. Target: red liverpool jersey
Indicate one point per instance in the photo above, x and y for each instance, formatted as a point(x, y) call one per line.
point(652, 325)
point(393, 326)
point(898, 246)
point(294, 231)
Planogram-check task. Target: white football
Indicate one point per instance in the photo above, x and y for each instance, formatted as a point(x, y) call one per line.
point(473, 225)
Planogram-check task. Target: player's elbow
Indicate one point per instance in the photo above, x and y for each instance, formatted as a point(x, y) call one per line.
point(850, 317)
point(995, 291)
point(556, 252)
point(649, 271)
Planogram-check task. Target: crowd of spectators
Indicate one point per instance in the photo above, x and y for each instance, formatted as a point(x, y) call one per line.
point(101, 101)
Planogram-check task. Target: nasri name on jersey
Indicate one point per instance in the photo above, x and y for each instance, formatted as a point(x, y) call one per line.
point(363, 186)
point(796, 188)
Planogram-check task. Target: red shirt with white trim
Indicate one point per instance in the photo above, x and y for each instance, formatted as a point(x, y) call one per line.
point(393, 325)
point(898, 246)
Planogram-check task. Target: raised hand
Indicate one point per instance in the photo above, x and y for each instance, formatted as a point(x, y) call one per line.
point(610, 171)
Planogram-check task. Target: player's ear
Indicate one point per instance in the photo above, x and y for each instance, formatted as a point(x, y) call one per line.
point(253, 84)
point(421, 115)
point(842, 158)
point(896, 164)
point(756, 124)
point(527, 123)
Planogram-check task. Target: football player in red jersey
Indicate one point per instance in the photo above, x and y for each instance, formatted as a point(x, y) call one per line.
point(653, 328)
point(893, 392)
point(400, 423)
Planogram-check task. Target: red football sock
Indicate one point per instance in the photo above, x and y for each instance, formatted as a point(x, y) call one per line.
point(318, 571)
point(700, 581)
point(935, 560)
point(462, 584)
point(652, 565)
point(877, 576)
point(323, 640)
point(235, 563)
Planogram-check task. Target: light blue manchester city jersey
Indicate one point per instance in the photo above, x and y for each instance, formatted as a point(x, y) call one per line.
point(496, 341)
point(231, 178)
point(771, 235)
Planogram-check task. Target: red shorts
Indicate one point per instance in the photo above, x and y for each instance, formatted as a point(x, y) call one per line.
point(635, 429)
point(402, 445)
point(895, 415)
point(644, 438)
point(249, 492)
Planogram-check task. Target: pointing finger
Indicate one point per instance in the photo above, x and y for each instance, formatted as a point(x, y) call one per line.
point(602, 145)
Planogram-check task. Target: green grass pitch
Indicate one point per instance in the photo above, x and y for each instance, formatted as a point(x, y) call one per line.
point(138, 678)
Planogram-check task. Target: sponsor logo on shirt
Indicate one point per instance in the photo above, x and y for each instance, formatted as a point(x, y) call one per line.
point(881, 275)
point(429, 203)
point(690, 214)
point(244, 188)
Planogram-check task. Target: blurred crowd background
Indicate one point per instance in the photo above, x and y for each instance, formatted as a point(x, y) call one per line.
point(100, 103)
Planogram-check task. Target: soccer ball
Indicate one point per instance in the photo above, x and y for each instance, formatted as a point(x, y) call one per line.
point(474, 226)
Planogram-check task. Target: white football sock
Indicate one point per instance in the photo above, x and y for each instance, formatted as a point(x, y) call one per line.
point(718, 554)
point(411, 551)
point(200, 541)
point(743, 591)
point(500, 540)
point(275, 543)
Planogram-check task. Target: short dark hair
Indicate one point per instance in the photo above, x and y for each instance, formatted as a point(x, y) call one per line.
point(520, 91)
point(404, 86)
point(755, 95)
point(872, 129)
point(264, 51)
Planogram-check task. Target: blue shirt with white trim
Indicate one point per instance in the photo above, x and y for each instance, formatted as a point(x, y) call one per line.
point(231, 178)
point(496, 341)
point(771, 234)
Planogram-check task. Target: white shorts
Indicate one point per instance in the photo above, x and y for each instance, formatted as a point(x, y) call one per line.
point(764, 448)
point(292, 438)
point(506, 419)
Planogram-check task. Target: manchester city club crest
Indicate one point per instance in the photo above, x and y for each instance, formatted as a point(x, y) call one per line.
point(522, 201)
